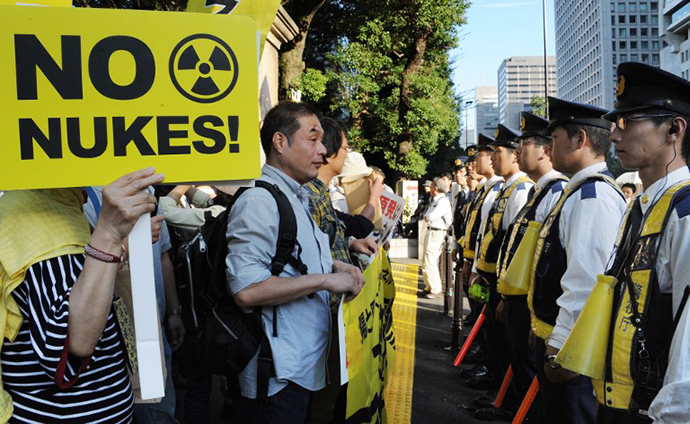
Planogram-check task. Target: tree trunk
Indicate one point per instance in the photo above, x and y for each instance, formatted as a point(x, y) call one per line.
point(291, 63)
point(411, 68)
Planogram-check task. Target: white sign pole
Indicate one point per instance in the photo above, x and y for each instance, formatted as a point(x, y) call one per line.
point(145, 310)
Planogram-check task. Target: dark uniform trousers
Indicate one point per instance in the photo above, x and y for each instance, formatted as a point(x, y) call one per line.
point(496, 345)
point(570, 403)
point(615, 416)
point(523, 360)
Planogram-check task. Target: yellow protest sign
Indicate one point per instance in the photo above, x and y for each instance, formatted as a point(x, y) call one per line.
point(106, 92)
point(370, 343)
point(263, 11)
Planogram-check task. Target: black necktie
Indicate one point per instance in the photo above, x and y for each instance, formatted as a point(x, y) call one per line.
point(530, 194)
point(623, 255)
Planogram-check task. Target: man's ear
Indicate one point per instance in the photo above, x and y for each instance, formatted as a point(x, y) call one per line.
point(581, 137)
point(677, 131)
point(280, 142)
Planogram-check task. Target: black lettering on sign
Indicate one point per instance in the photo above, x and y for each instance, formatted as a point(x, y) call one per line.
point(30, 55)
point(122, 136)
point(74, 138)
point(51, 145)
point(99, 67)
point(165, 134)
point(234, 128)
point(201, 128)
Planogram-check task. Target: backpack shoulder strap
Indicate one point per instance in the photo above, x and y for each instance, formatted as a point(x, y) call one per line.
point(287, 233)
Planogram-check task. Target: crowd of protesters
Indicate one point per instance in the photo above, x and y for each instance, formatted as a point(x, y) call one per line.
point(539, 200)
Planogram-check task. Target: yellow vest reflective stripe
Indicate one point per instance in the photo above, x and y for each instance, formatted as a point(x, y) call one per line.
point(543, 329)
point(475, 207)
point(520, 227)
point(617, 391)
point(486, 263)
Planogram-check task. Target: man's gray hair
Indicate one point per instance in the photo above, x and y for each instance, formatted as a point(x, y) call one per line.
point(441, 184)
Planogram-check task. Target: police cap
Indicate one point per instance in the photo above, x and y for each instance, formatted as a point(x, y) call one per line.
point(642, 86)
point(506, 137)
point(471, 151)
point(484, 143)
point(532, 125)
point(562, 112)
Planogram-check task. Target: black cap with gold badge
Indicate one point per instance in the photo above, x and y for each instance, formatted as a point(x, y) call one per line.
point(484, 143)
point(459, 163)
point(471, 151)
point(642, 87)
point(532, 125)
point(506, 137)
point(562, 112)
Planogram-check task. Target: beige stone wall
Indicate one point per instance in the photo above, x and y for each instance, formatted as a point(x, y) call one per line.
point(283, 30)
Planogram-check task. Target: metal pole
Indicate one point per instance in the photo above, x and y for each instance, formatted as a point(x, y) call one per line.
point(448, 280)
point(546, 69)
point(456, 326)
point(466, 124)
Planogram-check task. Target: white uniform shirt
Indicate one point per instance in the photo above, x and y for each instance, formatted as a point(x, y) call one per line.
point(485, 208)
point(517, 199)
point(673, 273)
point(551, 198)
point(439, 213)
point(589, 224)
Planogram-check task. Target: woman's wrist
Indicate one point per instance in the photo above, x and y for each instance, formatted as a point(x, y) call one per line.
point(106, 242)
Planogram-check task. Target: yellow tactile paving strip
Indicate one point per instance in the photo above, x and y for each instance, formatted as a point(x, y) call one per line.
point(399, 390)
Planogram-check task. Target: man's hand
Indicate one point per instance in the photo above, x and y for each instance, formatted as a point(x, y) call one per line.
point(465, 274)
point(176, 331)
point(375, 189)
point(499, 311)
point(346, 279)
point(156, 228)
point(366, 246)
point(559, 375)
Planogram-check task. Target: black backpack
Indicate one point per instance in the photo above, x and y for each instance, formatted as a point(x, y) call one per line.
point(224, 337)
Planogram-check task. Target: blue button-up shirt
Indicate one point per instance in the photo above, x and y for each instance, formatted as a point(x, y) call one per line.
point(301, 347)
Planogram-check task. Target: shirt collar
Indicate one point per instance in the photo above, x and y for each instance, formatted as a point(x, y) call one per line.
point(514, 178)
point(320, 186)
point(495, 178)
point(655, 191)
point(597, 168)
point(281, 178)
point(547, 178)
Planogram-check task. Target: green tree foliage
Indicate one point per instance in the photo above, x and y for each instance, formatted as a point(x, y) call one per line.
point(538, 105)
point(167, 5)
point(389, 74)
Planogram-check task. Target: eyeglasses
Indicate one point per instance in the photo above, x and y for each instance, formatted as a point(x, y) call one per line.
point(623, 121)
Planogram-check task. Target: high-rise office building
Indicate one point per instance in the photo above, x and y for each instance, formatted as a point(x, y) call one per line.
point(486, 110)
point(674, 27)
point(594, 36)
point(520, 79)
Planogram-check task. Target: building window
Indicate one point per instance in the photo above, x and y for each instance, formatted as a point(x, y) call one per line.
point(622, 44)
point(655, 6)
point(633, 31)
point(624, 58)
point(643, 19)
point(622, 32)
point(621, 19)
point(643, 32)
point(655, 32)
point(645, 58)
point(645, 45)
point(634, 58)
point(632, 7)
point(613, 20)
point(643, 7)
point(655, 19)
point(632, 19)
point(621, 7)
point(633, 44)
point(655, 58)
point(655, 45)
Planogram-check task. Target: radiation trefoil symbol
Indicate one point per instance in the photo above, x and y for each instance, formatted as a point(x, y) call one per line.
point(203, 68)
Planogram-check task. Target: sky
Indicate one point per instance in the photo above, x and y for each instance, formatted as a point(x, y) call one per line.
point(495, 30)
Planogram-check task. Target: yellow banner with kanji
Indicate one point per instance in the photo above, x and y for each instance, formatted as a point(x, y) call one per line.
point(370, 343)
point(263, 12)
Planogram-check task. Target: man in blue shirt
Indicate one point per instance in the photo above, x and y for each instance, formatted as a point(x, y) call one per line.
point(291, 138)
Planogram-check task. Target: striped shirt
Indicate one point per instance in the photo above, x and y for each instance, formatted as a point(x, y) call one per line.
point(46, 382)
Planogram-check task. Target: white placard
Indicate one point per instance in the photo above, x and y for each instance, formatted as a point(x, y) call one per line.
point(145, 310)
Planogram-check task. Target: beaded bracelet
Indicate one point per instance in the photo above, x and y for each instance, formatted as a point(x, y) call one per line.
point(100, 255)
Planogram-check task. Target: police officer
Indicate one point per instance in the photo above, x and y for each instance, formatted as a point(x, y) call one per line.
point(489, 186)
point(505, 207)
point(648, 360)
point(535, 160)
point(573, 247)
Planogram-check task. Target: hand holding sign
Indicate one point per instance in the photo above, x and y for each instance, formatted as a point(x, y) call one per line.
point(124, 201)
